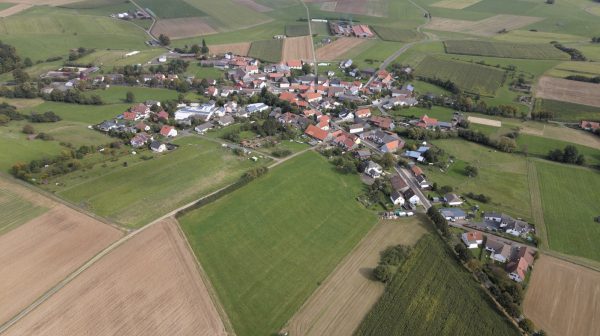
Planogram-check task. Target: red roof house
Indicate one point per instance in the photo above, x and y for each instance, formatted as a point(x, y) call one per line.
point(317, 133)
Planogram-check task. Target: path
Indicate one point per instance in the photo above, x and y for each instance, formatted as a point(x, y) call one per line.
point(311, 37)
point(154, 19)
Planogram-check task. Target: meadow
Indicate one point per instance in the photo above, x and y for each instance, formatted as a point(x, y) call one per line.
point(431, 294)
point(396, 34)
point(16, 210)
point(267, 247)
point(470, 77)
point(502, 49)
point(267, 50)
point(145, 189)
point(568, 112)
point(296, 29)
point(570, 202)
point(171, 9)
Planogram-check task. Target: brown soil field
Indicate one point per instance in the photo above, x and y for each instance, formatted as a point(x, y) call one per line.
point(338, 48)
point(183, 27)
point(339, 305)
point(359, 7)
point(15, 9)
point(253, 5)
point(240, 49)
point(486, 27)
point(568, 91)
point(565, 134)
point(485, 121)
point(150, 285)
point(563, 298)
point(38, 254)
point(297, 48)
point(41, 2)
point(455, 4)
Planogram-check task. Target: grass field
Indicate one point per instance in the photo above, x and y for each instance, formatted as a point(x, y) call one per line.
point(501, 49)
point(296, 29)
point(136, 194)
point(111, 58)
point(474, 78)
point(267, 246)
point(432, 295)
point(568, 112)
point(267, 50)
point(225, 19)
point(116, 94)
point(171, 8)
point(395, 34)
point(589, 69)
point(570, 203)
point(16, 211)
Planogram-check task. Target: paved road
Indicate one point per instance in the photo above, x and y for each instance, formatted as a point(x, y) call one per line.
point(412, 182)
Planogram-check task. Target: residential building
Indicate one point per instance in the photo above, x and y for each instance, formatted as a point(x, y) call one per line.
point(373, 169)
point(472, 239)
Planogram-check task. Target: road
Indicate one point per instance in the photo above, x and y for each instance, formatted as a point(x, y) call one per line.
point(154, 19)
point(311, 38)
point(412, 182)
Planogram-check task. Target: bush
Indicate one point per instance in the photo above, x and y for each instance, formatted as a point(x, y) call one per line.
point(282, 152)
point(28, 129)
point(44, 136)
point(394, 255)
point(382, 273)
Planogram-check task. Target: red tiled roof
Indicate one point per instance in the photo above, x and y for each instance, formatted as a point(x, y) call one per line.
point(129, 115)
point(362, 113)
point(294, 63)
point(474, 236)
point(316, 132)
point(165, 130)
point(163, 115)
point(589, 125)
point(416, 170)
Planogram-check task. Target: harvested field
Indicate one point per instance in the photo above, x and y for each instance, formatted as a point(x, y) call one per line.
point(339, 47)
point(148, 286)
point(455, 4)
point(485, 121)
point(504, 49)
point(40, 2)
point(240, 49)
point(253, 5)
point(183, 27)
point(563, 298)
point(396, 35)
point(297, 48)
point(40, 253)
point(568, 91)
point(361, 7)
point(486, 27)
point(565, 134)
point(14, 10)
point(347, 295)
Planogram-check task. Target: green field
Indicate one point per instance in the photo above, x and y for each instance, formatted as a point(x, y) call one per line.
point(171, 9)
point(568, 112)
point(267, 246)
point(541, 146)
point(470, 77)
point(16, 211)
point(116, 94)
point(227, 15)
point(396, 34)
point(143, 191)
point(296, 29)
point(111, 58)
point(570, 203)
point(502, 49)
point(431, 294)
point(267, 50)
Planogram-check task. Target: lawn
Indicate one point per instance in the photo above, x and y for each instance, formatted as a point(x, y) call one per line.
point(171, 9)
point(471, 77)
point(267, 246)
point(267, 50)
point(431, 294)
point(396, 34)
point(296, 29)
point(504, 49)
point(438, 112)
point(570, 203)
point(568, 112)
point(14, 147)
point(116, 94)
point(143, 191)
point(89, 114)
point(111, 58)
point(16, 211)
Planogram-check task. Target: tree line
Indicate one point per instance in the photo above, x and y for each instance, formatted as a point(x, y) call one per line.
point(570, 154)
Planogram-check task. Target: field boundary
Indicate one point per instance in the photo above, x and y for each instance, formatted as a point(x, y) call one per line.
point(537, 210)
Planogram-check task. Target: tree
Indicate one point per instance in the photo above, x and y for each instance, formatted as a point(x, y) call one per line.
point(4, 119)
point(164, 40)
point(27, 62)
point(471, 171)
point(195, 49)
point(446, 189)
point(28, 129)
point(129, 97)
point(382, 273)
point(550, 2)
point(20, 76)
point(388, 161)
point(463, 253)
point(527, 325)
point(204, 47)
point(570, 154)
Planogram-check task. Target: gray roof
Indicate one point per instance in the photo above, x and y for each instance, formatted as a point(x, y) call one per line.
point(452, 212)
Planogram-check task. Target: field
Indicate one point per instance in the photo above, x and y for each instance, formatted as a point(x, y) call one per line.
point(485, 121)
point(568, 91)
point(455, 4)
point(570, 203)
point(240, 49)
point(395, 34)
point(43, 251)
point(16, 210)
point(432, 295)
point(143, 191)
point(568, 112)
point(226, 19)
point(296, 29)
point(171, 9)
point(183, 27)
point(376, 8)
point(470, 77)
point(573, 306)
point(251, 4)
point(268, 246)
point(502, 49)
point(110, 58)
point(267, 50)
point(485, 27)
point(347, 295)
point(12, 10)
point(565, 134)
point(564, 69)
point(150, 285)
point(335, 50)
point(297, 48)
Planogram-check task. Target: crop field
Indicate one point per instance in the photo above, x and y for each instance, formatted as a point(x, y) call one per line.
point(240, 49)
point(346, 296)
point(247, 240)
point(16, 210)
point(501, 49)
point(568, 112)
point(396, 34)
point(267, 50)
point(485, 27)
point(226, 19)
point(136, 194)
point(377, 8)
point(589, 69)
point(183, 27)
point(150, 285)
point(253, 5)
point(296, 29)
point(470, 77)
point(335, 50)
point(570, 219)
point(171, 9)
point(572, 308)
point(297, 48)
point(431, 294)
point(43, 251)
point(568, 91)
point(455, 4)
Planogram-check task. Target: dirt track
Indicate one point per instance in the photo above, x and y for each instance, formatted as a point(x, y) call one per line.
point(40, 253)
point(182, 27)
point(148, 286)
point(563, 298)
point(340, 303)
point(335, 50)
point(485, 121)
point(297, 48)
point(569, 91)
point(14, 10)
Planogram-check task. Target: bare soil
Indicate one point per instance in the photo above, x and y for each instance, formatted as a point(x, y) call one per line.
point(338, 48)
point(15, 9)
point(183, 27)
point(297, 48)
point(485, 121)
point(40, 253)
point(339, 305)
point(240, 49)
point(150, 285)
point(568, 91)
point(562, 298)
point(565, 134)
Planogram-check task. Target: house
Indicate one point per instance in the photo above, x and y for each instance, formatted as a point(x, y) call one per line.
point(139, 140)
point(162, 115)
point(390, 147)
point(472, 239)
point(356, 128)
point(316, 133)
point(142, 127)
point(426, 122)
point(397, 198)
point(492, 216)
point(411, 197)
point(158, 147)
point(258, 107)
point(498, 250)
point(363, 113)
point(416, 170)
point(226, 120)
point(518, 228)
point(323, 123)
point(383, 122)
point(453, 214)
point(589, 125)
point(452, 199)
point(131, 116)
point(201, 129)
point(346, 141)
point(422, 181)
point(517, 270)
point(294, 64)
point(168, 131)
point(373, 169)
point(363, 154)
point(398, 183)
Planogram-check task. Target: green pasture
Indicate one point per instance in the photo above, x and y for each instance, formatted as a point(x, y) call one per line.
point(568, 112)
point(502, 49)
point(267, 50)
point(396, 34)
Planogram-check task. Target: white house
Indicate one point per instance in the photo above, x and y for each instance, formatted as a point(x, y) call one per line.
point(158, 147)
point(411, 197)
point(258, 107)
point(168, 131)
point(493, 216)
point(453, 199)
point(201, 129)
point(472, 239)
point(397, 198)
point(357, 128)
point(373, 169)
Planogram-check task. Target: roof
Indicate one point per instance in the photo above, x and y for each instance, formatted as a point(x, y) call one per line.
point(398, 183)
point(494, 244)
point(452, 212)
point(527, 254)
point(452, 198)
point(294, 63)
point(129, 115)
point(416, 170)
point(316, 132)
point(473, 236)
point(363, 112)
point(165, 130)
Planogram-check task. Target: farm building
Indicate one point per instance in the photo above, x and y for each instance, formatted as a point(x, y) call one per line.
point(362, 31)
point(453, 213)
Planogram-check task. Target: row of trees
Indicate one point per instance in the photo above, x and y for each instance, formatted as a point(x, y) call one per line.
point(447, 85)
point(576, 55)
point(570, 154)
point(580, 78)
point(504, 144)
point(440, 222)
